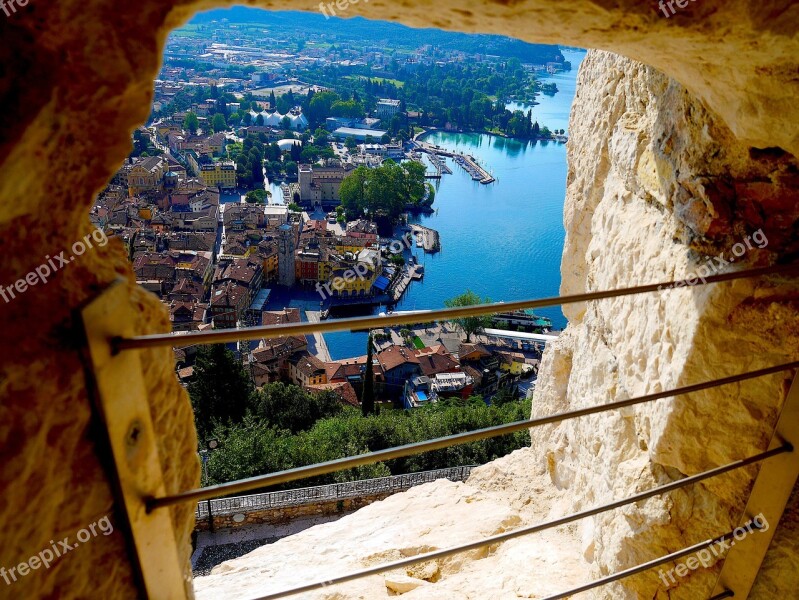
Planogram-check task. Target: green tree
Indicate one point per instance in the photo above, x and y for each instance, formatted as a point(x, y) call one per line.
point(218, 123)
point(291, 408)
point(350, 143)
point(221, 389)
point(258, 196)
point(368, 395)
point(191, 123)
point(319, 107)
point(353, 191)
point(294, 207)
point(469, 325)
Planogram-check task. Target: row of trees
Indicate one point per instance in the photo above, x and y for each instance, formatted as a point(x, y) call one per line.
point(257, 446)
point(282, 427)
point(469, 96)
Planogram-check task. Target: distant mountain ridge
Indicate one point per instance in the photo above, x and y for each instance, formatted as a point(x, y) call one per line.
point(362, 30)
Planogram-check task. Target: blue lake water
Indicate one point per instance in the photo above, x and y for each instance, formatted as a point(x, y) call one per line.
point(503, 241)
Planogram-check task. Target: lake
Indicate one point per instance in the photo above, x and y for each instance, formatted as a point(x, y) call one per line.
point(503, 241)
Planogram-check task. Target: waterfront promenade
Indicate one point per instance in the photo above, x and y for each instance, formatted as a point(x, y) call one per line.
point(319, 349)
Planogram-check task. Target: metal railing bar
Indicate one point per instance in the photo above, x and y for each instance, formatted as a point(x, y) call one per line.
point(223, 336)
point(503, 537)
point(439, 443)
point(643, 567)
point(332, 491)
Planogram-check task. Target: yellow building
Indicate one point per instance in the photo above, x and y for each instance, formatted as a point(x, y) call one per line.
point(220, 174)
point(147, 175)
point(354, 281)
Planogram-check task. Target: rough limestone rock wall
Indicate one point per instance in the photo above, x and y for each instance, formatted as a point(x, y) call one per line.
point(77, 78)
point(656, 183)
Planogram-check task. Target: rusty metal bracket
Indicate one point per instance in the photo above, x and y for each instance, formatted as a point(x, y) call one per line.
point(122, 404)
point(770, 493)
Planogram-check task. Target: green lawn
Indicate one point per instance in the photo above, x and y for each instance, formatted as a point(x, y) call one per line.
point(417, 341)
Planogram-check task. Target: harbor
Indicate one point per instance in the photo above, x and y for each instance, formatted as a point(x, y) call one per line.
point(466, 161)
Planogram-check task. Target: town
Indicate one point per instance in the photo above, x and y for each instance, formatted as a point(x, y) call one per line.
point(249, 188)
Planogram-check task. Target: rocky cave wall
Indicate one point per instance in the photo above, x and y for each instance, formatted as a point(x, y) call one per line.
point(77, 78)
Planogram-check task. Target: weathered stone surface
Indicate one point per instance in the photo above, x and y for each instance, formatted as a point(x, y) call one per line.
point(78, 77)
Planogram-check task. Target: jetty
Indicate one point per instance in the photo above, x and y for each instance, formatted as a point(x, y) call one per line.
point(468, 162)
point(439, 164)
point(471, 166)
point(427, 238)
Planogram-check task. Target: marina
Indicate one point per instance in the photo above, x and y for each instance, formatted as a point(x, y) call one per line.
point(468, 162)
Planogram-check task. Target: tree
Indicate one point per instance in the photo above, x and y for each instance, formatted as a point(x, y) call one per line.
point(191, 123)
point(257, 196)
point(218, 123)
point(221, 390)
point(368, 395)
point(291, 168)
point(291, 408)
point(469, 325)
point(504, 396)
point(350, 143)
point(353, 191)
point(285, 123)
point(294, 207)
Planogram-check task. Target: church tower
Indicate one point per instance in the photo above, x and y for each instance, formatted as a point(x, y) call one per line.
point(285, 257)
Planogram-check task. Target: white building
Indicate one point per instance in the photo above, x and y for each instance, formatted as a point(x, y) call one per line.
point(387, 108)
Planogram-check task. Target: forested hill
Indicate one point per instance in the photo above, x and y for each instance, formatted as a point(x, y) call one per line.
point(365, 31)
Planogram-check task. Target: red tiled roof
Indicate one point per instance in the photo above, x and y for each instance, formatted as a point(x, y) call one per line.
point(343, 389)
point(395, 356)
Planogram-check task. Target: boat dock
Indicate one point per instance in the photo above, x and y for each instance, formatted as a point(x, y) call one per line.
point(478, 173)
point(469, 163)
point(427, 238)
point(400, 285)
point(439, 164)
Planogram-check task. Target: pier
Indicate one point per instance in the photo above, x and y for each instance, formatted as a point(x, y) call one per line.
point(319, 346)
point(426, 238)
point(469, 163)
point(439, 164)
point(478, 173)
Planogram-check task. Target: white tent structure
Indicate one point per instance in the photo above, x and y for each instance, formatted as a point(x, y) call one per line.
point(299, 122)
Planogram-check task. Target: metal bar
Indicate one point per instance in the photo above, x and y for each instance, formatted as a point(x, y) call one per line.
point(643, 567)
point(221, 336)
point(503, 537)
point(768, 498)
point(121, 401)
point(333, 491)
point(438, 443)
